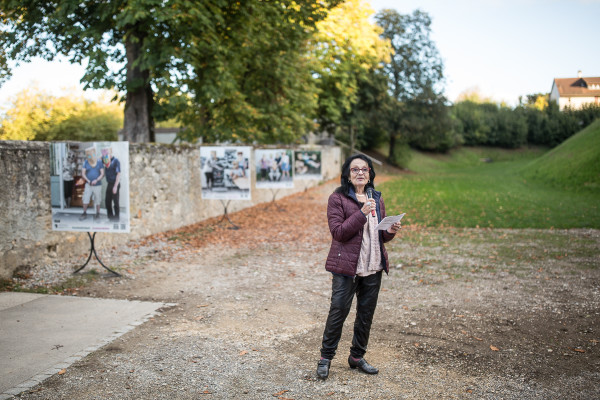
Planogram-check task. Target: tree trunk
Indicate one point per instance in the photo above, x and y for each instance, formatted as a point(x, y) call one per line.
point(352, 141)
point(138, 125)
point(392, 155)
point(150, 100)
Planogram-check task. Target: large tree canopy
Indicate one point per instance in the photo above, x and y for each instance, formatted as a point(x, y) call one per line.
point(416, 67)
point(131, 46)
point(193, 53)
point(346, 49)
point(256, 84)
point(416, 112)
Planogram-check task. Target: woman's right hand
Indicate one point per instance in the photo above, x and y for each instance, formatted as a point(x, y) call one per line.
point(368, 206)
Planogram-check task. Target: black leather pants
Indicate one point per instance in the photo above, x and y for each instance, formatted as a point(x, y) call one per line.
point(343, 289)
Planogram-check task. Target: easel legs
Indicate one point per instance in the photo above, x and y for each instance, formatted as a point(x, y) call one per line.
point(226, 216)
point(93, 251)
point(274, 192)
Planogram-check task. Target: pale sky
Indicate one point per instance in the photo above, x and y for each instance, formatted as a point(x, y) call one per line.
point(506, 48)
point(510, 48)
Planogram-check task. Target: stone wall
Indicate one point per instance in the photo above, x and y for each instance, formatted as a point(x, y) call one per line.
point(165, 194)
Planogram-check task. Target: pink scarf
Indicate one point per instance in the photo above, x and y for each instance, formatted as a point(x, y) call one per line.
point(369, 260)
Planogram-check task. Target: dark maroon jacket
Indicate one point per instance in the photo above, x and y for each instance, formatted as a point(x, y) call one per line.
point(346, 223)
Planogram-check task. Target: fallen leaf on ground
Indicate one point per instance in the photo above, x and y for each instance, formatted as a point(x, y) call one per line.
point(579, 350)
point(62, 371)
point(243, 352)
point(280, 393)
point(494, 348)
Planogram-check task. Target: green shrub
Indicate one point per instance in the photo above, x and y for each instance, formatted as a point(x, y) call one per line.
point(492, 125)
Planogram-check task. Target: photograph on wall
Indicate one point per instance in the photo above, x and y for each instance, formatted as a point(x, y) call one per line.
point(274, 168)
point(225, 172)
point(89, 186)
point(307, 164)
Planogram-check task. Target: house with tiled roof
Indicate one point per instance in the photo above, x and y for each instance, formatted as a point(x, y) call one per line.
point(574, 92)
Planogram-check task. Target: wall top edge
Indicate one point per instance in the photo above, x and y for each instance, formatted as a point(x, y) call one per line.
point(29, 144)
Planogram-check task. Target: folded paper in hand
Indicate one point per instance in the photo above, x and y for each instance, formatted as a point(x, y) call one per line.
point(389, 221)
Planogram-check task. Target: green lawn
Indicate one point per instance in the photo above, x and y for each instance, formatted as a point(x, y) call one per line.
point(574, 165)
point(461, 190)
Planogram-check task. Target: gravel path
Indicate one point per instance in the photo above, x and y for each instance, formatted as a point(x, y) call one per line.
point(463, 314)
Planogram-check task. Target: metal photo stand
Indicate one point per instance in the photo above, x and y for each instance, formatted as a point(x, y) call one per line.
point(93, 251)
point(226, 216)
point(305, 193)
point(273, 202)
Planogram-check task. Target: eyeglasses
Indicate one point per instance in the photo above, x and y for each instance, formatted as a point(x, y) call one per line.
point(355, 171)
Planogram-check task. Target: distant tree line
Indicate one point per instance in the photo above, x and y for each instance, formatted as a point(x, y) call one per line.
point(491, 124)
point(434, 125)
point(37, 115)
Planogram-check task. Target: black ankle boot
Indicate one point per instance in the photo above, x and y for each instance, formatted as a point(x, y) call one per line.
point(323, 368)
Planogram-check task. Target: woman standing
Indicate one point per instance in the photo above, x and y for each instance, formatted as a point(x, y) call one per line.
point(68, 172)
point(356, 258)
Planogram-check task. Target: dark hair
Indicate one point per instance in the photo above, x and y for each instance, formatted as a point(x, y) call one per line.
point(345, 179)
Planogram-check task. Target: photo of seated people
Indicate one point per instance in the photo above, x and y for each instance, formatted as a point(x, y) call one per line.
point(89, 186)
point(225, 172)
point(307, 164)
point(273, 168)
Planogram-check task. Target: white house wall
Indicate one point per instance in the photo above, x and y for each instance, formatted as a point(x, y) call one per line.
point(554, 95)
point(574, 102)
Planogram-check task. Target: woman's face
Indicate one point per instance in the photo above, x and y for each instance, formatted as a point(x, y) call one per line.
point(359, 173)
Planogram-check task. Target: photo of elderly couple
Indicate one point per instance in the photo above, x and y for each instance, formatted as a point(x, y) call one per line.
point(89, 186)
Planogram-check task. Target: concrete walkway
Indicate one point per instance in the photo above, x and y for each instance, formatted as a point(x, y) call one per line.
point(42, 334)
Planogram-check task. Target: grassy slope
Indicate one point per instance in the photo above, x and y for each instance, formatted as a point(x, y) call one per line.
point(459, 189)
point(574, 165)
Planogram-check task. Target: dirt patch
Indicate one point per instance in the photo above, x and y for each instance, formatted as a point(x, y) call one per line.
point(464, 313)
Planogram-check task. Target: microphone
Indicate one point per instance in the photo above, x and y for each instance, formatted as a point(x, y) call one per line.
point(370, 196)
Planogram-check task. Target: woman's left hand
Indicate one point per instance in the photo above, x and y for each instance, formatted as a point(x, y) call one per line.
point(395, 227)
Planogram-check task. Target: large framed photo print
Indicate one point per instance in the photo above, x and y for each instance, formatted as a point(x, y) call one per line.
point(89, 186)
point(274, 168)
point(225, 172)
point(307, 164)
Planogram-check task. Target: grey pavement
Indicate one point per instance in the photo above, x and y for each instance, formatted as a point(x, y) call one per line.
point(42, 334)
